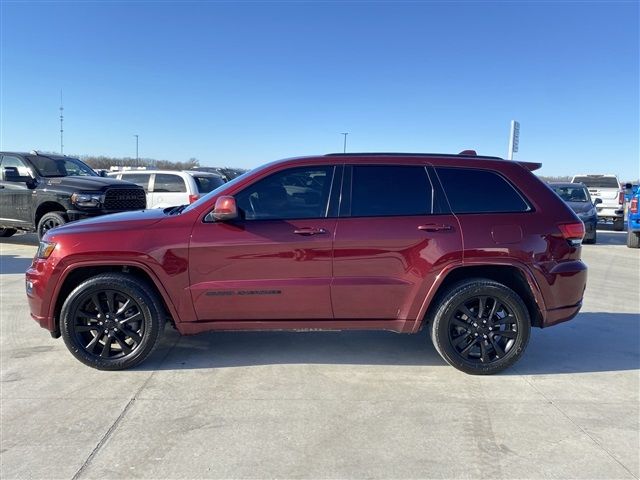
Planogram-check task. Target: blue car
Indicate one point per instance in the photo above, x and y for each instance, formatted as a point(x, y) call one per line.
point(633, 221)
point(576, 195)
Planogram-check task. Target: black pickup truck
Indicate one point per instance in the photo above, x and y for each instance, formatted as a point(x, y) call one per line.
point(41, 191)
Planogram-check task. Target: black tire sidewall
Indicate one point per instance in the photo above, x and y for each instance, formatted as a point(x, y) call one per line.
point(149, 306)
point(463, 292)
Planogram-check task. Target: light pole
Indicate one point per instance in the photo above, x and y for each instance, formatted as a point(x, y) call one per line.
point(137, 165)
point(344, 150)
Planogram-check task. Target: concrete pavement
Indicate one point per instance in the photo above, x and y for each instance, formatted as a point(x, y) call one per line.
point(328, 405)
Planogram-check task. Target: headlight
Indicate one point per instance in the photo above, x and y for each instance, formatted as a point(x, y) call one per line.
point(86, 199)
point(45, 249)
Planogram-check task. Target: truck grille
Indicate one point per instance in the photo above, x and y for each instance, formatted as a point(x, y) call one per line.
point(125, 199)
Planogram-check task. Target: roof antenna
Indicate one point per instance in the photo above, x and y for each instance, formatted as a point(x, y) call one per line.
point(61, 129)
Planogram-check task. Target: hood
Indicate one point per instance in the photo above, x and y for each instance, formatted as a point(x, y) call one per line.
point(86, 183)
point(580, 207)
point(137, 220)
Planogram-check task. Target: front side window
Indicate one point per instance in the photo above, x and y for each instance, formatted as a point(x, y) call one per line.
point(167, 183)
point(141, 179)
point(472, 190)
point(296, 193)
point(383, 190)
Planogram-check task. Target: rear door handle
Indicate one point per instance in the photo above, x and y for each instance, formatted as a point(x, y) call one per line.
point(309, 231)
point(434, 227)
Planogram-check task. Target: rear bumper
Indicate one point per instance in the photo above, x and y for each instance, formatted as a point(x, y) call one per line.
point(559, 315)
point(610, 212)
point(562, 286)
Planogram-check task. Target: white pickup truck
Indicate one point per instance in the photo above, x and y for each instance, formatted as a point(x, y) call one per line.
point(607, 189)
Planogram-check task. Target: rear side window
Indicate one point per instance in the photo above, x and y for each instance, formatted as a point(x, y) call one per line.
point(479, 191)
point(382, 190)
point(166, 182)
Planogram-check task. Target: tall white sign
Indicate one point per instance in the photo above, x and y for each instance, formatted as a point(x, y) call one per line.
point(514, 138)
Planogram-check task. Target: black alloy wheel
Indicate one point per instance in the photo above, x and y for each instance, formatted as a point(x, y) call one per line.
point(480, 326)
point(48, 221)
point(112, 321)
point(483, 329)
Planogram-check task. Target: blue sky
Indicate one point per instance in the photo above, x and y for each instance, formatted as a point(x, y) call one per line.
point(243, 83)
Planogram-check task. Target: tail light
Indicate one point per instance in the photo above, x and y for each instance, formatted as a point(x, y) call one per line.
point(620, 197)
point(572, 232)
point(193, 198)
point(633, 208)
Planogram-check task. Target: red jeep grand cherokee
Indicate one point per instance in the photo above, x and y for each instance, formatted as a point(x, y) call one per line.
point(477, 248)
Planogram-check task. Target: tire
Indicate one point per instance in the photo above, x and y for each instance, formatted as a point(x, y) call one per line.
point(633, 239)
point(7, 232)
point(618, 224)
point(470, 345)
point(48, 221)
point(130, 332)
point(592, 240)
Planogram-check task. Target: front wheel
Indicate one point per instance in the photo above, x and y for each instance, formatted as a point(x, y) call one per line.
point(48, 221)
point(480, 327)
point(112, 321)
point(633, 239)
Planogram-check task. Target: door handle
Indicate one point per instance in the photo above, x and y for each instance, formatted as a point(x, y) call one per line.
point(309, 231)
point(434, 227)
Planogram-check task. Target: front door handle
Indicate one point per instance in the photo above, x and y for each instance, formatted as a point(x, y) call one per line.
point(434, 227)
point(309, 231)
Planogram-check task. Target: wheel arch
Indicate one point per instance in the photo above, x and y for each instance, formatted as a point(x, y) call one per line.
point(73, 276)
point(47, 207)
point(515, 277)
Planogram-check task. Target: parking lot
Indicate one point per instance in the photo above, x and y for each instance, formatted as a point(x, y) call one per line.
point(329, 405)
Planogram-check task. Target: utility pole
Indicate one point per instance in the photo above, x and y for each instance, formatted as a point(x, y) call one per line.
point(344, 150)
point(137, 163)
point(61, 129)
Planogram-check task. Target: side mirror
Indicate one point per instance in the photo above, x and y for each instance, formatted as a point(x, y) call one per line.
point(225, 209)
point(597, 201)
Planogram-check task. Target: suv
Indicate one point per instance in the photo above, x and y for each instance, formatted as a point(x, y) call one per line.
point(167, 188)
point(607, 189)
point(39, 192)
point(343, 241)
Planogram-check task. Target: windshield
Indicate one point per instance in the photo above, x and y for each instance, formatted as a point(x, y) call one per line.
point(598, 182)
point(572, 194)
point(61, 167)
point(215, 192)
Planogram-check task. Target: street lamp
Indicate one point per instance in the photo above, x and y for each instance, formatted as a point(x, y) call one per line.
point(136, 150)
point(344, 150)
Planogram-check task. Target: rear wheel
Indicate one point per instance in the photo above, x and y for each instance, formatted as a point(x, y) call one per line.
point(480, 327)
point(618, 224)
point(50, 220)
point(112, 321)
point(592, 239)
point(633, 239)
point(7, 232)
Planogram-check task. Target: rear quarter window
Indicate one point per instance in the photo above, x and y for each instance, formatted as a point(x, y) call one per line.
point(480, 191)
